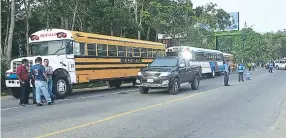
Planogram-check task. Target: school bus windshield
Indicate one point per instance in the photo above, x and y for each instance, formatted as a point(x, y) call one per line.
point(49, 47)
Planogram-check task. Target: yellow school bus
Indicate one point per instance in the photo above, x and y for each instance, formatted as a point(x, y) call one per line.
point(113, 59)
point(79, 57)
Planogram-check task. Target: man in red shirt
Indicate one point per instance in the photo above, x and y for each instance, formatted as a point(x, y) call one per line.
point(24, 78)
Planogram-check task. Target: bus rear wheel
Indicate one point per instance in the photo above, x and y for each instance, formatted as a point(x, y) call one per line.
point(114, 83)
point(15, 92)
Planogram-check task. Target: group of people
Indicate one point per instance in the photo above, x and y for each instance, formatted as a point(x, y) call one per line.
point(240, 70)
point(41, 77)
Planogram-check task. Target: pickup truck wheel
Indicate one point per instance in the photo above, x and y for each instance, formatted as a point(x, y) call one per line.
point(174, 88)
point(143, 90)
point(277, 67)
point(196, 82)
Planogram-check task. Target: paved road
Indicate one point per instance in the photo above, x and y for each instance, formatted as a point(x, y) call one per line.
point(246, 109)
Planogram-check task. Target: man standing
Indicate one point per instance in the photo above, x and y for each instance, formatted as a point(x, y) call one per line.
point(226, 74)
point(49, 71)
point(249, 66)
point(270, 67)
point(40, 76)
point(240, 72)
point(24, 78)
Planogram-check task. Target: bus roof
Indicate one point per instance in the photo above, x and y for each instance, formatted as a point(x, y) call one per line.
point(227, 54)
point(107, 37)
point(196, 49)
point(51, 34)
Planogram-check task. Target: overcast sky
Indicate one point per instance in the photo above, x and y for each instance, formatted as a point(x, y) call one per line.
point(265, 15)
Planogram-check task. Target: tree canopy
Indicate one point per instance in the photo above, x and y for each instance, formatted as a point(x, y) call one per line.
point(138, 19)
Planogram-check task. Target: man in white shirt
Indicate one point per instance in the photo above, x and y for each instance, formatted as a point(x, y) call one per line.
point(49, 71)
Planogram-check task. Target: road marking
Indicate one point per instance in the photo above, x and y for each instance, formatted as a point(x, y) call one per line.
point(126, 113)
point(62, 100)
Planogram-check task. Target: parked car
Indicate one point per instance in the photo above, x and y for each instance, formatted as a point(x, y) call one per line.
point(280, 64)
point(168, 73)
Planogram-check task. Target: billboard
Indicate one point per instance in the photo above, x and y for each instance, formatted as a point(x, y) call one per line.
point(234, 22)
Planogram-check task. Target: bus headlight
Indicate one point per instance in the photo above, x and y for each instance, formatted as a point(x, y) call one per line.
point(165, 74)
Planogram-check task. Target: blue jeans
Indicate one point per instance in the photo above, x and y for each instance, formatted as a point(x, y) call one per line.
point(50, 86)
point(42, 87)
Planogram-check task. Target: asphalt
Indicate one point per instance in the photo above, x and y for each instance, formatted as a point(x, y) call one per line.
point(252, 108)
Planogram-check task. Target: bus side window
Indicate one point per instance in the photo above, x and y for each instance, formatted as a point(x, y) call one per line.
point(122, 51)
point(155, 54)
point(112, 50)
point(79, 48)
point(149, 52)
point(136, 52)
point(91, 49)
point(163, 53)
point(143, 52)
point(101, 50)
point(129, 51)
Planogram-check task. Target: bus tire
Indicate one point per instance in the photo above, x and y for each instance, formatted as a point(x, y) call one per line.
point(117, 83)
point(134, 82)
point(109, 83)
point(15, 92)
point(212, 74)
point(61, 87)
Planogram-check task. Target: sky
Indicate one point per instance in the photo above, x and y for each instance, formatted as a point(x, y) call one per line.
point(263, 15)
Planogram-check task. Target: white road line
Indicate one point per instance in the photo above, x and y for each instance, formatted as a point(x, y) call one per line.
point(62, 100)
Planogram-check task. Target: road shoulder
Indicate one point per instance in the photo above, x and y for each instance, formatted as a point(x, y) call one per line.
point(278, 130)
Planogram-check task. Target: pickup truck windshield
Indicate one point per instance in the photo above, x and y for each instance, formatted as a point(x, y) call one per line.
point(164, 62)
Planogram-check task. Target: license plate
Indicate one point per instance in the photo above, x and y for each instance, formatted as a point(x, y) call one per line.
point(150, 80)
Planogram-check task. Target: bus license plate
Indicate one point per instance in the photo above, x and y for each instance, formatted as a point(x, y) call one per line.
point(150, 80)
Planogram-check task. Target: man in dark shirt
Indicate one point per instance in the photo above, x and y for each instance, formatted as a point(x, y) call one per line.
point(40, 76)
point(24, 78)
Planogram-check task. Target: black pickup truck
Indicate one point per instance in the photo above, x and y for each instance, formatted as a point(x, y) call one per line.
point(168, 73)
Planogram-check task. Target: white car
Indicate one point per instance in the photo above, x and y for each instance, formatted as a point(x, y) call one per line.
point(280, 64)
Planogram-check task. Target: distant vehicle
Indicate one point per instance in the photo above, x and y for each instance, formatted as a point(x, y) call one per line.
point(211, 61)
point(280, 64)
point(230, 59)
point(79, 57)
point(168, 73)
